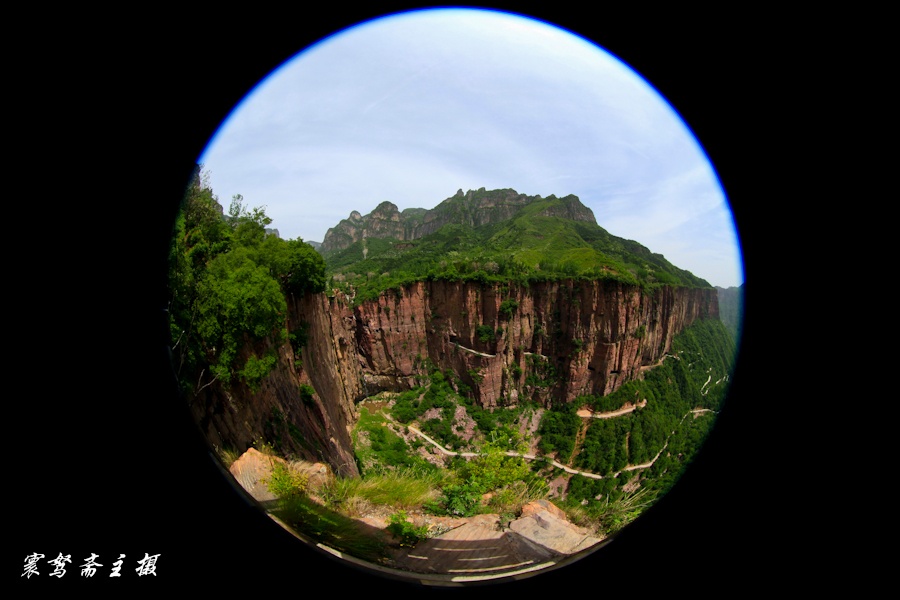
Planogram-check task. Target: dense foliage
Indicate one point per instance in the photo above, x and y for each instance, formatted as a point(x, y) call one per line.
point(652, 445)
point(491, 472)
point(382, 448)
point(228, 283)
point(638, 455)
point(558, 430)
point(446, 392)
point(682, 394)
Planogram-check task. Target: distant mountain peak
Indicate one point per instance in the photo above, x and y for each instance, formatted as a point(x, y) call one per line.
point(473, 208)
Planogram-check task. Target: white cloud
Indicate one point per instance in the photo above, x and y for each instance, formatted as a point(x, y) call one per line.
point(413, 107)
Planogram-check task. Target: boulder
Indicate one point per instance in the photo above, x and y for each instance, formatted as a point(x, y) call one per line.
point(253, 469)
point(545, 524)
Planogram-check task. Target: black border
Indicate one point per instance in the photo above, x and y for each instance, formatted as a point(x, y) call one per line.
point(112, 115)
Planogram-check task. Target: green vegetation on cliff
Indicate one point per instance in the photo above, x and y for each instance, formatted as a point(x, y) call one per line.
point(539, 242)
point(228, 282)
point(682, 395)
point(635, 457)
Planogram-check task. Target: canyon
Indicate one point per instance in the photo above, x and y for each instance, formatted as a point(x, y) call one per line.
point(547, 342)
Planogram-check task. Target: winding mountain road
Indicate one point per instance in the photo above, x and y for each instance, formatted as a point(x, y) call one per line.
point(582, 413)
point(508, 453)
point(628, 408)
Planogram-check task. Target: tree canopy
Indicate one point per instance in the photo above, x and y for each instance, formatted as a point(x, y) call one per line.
point(229, 279)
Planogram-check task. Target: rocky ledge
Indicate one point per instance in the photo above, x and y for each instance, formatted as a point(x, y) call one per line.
point(468, 548)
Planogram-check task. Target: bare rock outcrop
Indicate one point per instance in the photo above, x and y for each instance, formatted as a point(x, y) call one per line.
point(545, 524)
point(478, 546)
point(253, 469)
point(303, 407)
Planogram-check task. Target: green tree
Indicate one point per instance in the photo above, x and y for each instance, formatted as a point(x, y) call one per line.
point(306, 269)
point(238, 302)
point(249, 224)
point(227, 281)
point(199, 235)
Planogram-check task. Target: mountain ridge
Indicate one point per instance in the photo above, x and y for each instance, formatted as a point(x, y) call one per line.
point(497, 235)
point(473, 208)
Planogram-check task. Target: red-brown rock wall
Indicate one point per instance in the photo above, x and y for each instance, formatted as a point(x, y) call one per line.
point(314, 427)
point(560, 341)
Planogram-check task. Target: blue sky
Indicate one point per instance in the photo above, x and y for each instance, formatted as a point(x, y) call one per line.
point(412, 107)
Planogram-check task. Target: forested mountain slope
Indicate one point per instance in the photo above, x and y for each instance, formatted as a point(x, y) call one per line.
point(497, 235)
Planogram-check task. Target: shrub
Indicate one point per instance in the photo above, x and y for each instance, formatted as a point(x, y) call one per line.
point(299, 336)
point(404, 411)
point(285, 482)
point(256, 369)
point(462, 500)
point(485, 333)
point(401, 527)
point(306, 393)
point(508, 307)
point(516, 371)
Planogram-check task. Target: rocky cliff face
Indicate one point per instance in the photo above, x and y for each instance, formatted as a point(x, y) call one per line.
point(550, 342)
point(285, 411)
point(731, 308)
point(474, 208)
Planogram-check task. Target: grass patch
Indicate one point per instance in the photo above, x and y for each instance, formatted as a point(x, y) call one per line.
point(330, 528)
point(333, 522)
point(286, 481)
point(402, 490)
point(227, 455)
point(611, 513)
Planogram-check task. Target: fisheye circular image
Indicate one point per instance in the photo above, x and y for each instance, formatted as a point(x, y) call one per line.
point(455, 296)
